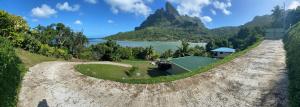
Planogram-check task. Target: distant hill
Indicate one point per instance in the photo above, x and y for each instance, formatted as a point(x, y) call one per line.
point(261, 21)
point(166, 24)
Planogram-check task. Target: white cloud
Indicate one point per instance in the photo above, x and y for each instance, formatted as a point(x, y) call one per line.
point(190, 7)
point(206, 19)
point(65, 6)
point(294, 5)
point(110, 21)
point(44, 11)
point(91, 1)
point(223, 6)
point(78, 22)
point(213, 11)
point(138, 7)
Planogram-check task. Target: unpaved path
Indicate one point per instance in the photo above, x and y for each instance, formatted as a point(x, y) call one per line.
point(256, 79)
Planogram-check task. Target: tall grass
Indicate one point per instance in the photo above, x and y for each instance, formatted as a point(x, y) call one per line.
point(11, 72)
point(292, 47)
point(189, 74)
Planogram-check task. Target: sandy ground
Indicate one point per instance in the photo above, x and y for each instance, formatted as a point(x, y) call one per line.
point(258, 78)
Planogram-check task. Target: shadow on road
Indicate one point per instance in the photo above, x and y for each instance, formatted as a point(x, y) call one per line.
point(43, 103)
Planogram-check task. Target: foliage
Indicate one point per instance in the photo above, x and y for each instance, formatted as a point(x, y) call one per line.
point(11, 24)
point(183, 50)
point(11, 71)
point(292, 47)
point(246, 37)
point(167, 54)
point(132, 71)
point(277, 15)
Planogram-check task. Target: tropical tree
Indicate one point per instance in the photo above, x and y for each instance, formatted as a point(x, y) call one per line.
point(149, 53)
point(183, 50)
point(278, 16)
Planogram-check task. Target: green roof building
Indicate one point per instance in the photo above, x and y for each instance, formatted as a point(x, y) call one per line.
point(189, 64)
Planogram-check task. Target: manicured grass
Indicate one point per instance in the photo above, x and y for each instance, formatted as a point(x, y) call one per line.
point(31, 59)
point(117, 73)
point(145, 69)
point(103, 71)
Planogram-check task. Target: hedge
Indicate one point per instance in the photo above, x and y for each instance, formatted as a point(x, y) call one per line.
point(292, 47)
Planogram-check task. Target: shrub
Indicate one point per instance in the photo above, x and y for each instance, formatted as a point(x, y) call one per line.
point(132, 72)
point(11, 71)
point(292, 47)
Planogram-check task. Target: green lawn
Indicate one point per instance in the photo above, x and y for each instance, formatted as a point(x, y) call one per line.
point(30, 59)
point(103, 71)
point(111, 72)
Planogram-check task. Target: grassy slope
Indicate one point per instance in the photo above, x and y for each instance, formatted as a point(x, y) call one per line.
point(30, 59)
point(103, 71)
point(118, 73)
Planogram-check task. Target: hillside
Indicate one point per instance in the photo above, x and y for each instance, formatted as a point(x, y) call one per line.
point(261, 21)
point(166, 24)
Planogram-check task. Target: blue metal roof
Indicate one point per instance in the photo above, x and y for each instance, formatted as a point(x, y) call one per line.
point(224, 49)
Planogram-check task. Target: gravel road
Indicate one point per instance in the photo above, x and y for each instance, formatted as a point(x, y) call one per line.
point(258, 78)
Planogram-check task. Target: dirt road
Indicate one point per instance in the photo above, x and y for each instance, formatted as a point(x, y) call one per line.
point(258, 78)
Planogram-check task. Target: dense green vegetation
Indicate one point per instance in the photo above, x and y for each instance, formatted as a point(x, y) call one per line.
point(292, 46)
point(55, 40)
point(11, 72)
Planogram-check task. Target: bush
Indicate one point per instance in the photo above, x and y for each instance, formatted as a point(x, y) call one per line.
point(46, 50)
point(292, 47)
point(11, 71)
point(132, 72)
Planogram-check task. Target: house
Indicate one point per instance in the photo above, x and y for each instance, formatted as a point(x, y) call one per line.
point(188, 64)
point(222, 52)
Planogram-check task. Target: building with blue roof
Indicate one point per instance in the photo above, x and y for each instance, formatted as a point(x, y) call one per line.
point(222, 52)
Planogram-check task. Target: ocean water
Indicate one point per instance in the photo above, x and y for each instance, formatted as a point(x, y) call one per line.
point(159, 46)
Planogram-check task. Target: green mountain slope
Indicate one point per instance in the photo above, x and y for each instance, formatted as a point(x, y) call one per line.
point(166, 24)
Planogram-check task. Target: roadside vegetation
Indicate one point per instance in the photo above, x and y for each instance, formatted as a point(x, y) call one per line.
point(11, 72)
point(29, 59)
point(292, 46)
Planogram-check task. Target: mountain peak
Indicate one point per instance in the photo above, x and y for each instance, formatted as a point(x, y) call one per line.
point(170, 9)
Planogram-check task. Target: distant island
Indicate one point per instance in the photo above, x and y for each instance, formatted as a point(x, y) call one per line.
point(166, 24)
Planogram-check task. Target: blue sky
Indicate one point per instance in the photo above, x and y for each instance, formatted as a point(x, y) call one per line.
point(98, 18)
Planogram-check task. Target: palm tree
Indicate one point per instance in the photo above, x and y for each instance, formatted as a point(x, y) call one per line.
point(184, 50)
point(149, 52)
